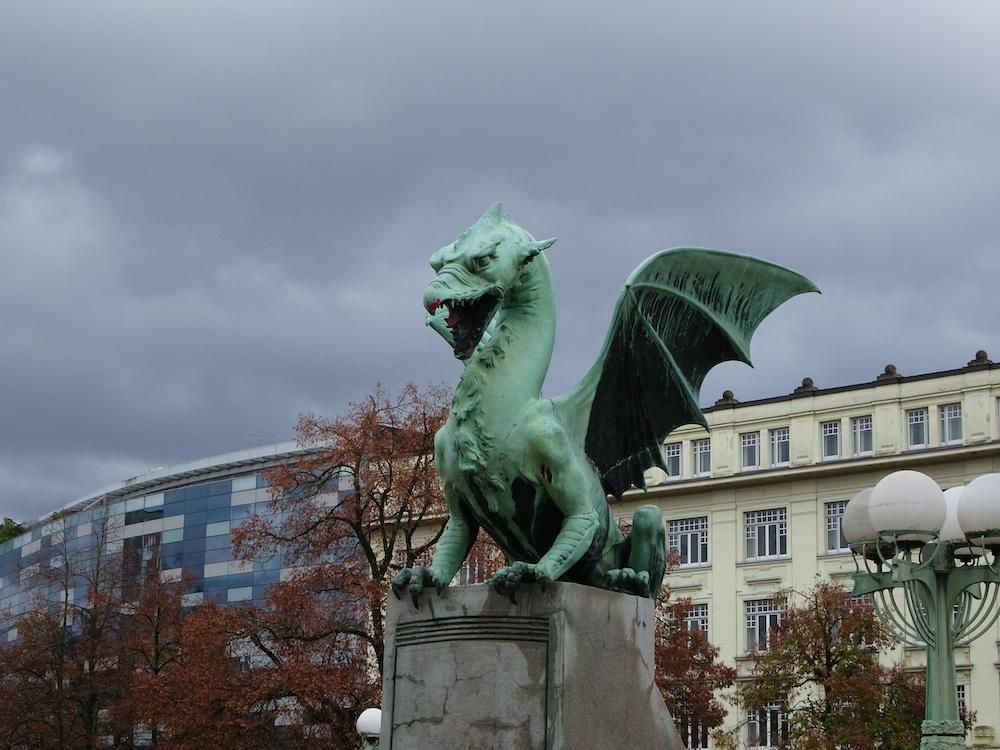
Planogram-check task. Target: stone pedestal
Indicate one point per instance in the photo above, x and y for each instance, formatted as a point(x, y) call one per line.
point(565, 669)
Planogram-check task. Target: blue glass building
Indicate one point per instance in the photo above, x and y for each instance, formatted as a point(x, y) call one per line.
point(180, 517)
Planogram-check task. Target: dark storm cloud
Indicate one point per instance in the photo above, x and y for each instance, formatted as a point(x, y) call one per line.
point(214, 217)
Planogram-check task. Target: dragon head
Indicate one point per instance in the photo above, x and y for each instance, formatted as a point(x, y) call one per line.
point(474, 274)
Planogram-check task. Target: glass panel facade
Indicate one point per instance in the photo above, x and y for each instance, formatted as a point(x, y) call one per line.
point(184, 530)
point(240, 594)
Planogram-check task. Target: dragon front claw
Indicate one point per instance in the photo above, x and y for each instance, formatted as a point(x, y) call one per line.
point(509, 579)
point(415, 580)
point(629, 581)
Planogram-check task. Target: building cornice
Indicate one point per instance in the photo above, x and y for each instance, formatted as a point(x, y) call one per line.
point(885, 379)
point(889, 462)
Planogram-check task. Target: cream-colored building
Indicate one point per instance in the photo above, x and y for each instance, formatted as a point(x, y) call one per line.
point(753, 504)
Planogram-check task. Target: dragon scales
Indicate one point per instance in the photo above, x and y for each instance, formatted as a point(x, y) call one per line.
point(535, 474)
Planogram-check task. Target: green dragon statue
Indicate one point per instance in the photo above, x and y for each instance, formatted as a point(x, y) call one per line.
point(535, 473)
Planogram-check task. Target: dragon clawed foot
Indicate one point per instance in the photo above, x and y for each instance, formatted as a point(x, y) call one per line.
point(415, 580)
point(629, 581)
point(510, 578)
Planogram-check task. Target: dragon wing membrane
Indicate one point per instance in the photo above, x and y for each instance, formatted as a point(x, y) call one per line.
point(682, 312)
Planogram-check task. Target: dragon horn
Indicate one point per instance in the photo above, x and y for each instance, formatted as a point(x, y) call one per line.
point(492, 216)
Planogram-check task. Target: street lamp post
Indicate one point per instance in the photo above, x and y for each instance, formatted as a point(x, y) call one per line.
point(941, 552)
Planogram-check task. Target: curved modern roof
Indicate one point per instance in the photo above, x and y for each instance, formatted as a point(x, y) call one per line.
point(181, 473)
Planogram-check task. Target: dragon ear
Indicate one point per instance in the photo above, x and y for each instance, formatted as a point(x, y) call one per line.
point(535, 248)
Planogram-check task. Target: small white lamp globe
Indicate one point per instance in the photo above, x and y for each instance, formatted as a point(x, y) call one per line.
point(951, 530)
point(979, 510)
point(369, 724)
point(908, 506)
point(856, 524)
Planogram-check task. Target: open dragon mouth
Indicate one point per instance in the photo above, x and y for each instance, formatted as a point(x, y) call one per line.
point(467, 319)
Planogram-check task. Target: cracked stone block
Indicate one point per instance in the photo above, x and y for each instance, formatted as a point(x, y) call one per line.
point(570, 667)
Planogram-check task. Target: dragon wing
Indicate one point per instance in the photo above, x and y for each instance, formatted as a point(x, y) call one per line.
point(682, 312)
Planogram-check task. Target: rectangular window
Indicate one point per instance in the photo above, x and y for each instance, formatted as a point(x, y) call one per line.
point(240, 594)
point(916, 428)
point(861, 428)
point(689, 537)
point(767, 728)
point(750, 450)
point(779, 447)
point(693, 735)
point(172, 535)
point(835, 541)
point(244, 483)
point(697, 618)
point(672, 459)
point(762, 616)
point(193, 599)
point(951, 424)
point(767, 533)
point(702, 454)
point(830, 433)
point(963, 705)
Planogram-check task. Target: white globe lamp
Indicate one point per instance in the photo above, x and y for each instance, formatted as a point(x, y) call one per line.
point(907, 506)
point(369, 724)
point(951, 530)
point(979, 510)
point(856, 524)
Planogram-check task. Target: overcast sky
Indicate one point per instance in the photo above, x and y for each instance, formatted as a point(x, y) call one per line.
point(214, 216)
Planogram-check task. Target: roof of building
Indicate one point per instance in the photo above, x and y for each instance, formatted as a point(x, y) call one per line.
point(180, 473)
point(890, 376)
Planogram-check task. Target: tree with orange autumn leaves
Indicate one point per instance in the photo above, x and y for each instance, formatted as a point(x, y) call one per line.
point(364, 502)
point(823, 667)
point(124, 665)
point(55, 681)
point(688, 671)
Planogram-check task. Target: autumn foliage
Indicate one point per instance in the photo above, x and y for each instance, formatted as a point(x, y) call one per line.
point(688, 672)
point(822, 665)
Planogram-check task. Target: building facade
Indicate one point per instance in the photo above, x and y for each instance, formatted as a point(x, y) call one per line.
point(179, 516)
point(753, 505)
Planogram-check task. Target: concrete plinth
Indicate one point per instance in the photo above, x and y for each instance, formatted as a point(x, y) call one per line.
point(565, 669)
